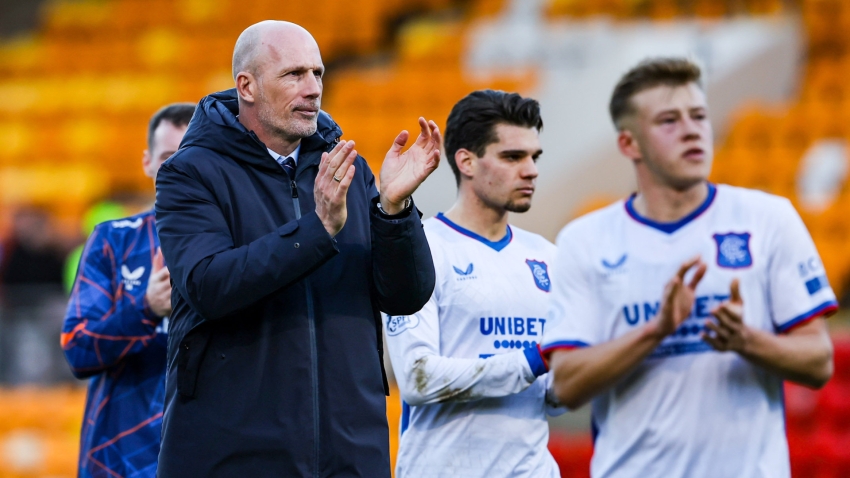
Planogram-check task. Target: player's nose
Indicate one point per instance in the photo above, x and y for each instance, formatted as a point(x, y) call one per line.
point(529, 168)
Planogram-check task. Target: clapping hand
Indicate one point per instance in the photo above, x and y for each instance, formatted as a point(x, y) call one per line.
point(158, 293)
point(678, 298)
point(336, 171)
point(729, 332)
point(402, 173)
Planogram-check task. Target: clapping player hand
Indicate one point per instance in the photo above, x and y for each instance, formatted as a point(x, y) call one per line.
point(158, 293)
point(402, 173)
point(678, 298)
point(729, 332)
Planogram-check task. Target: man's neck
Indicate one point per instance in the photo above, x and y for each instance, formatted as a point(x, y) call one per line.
point(273, 142)
point(664, 204)
point(471, 213)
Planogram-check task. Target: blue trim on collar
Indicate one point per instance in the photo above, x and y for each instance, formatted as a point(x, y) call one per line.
point(497, 245)
point(671, 227)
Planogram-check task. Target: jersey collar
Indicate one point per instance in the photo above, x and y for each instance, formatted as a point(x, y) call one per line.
point(497, 245)
point(671, 227)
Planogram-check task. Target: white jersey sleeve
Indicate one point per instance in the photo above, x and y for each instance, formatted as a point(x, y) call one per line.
point(798, 289)
point(573, 311)
point(425, 377)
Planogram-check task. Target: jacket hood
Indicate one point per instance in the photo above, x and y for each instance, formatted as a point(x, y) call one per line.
point(214, 126)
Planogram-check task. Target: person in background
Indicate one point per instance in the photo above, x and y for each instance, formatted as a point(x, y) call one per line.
point(681, 310)
point(467, 364)
point(31, 300)
point(116, 325)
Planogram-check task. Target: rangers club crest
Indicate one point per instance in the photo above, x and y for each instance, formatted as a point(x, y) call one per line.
point(540, 272)
point(733, 250)
point(397, 324)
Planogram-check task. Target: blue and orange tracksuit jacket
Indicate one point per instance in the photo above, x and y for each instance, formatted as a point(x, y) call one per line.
point(111, 336)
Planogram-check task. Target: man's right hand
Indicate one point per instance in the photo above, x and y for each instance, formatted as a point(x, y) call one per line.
point(336, 171)
point(678, 298)
point(158, 294)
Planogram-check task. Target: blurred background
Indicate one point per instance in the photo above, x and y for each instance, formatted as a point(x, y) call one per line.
point(79, 80)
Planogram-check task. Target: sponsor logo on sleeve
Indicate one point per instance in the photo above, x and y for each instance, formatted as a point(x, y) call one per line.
point(540, 272)
point(397, 324)
point(127, 223)
point(811, 271)
point(815, 284)
point(733, 250)
point(131, 279)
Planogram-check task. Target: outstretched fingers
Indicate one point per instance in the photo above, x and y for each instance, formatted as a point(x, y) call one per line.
point(735, 292)
point(436, 136)
point(424, 133)
point(399, 143)
point(698, 275)
point(346, 154)
point(670, 292)
point(686, 266)
point(345, 182)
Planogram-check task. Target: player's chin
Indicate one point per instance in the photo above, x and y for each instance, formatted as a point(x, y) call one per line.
point(519, 205)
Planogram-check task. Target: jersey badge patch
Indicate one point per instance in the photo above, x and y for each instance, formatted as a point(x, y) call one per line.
point(733, 250)
point(540, 272)
point(397, 324)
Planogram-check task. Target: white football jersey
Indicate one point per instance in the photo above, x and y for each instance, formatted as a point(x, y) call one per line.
point(688, 411)
point(472, 380)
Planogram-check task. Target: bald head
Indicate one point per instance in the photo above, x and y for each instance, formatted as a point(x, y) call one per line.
point(268, 39)
point(277, 68)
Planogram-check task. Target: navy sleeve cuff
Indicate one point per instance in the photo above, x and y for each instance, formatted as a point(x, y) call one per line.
point(394, 218)
point(535, 361)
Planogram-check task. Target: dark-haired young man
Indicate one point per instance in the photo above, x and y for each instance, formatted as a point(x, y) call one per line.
point(116, 324)
point(468, 364)
point(687, 376)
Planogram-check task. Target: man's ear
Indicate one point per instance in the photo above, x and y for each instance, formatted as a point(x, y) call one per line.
point(147, 159)
point(628, 145)
point(246, 86)
point(465, 161)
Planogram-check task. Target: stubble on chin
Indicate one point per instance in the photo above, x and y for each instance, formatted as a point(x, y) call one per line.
point(512, 206)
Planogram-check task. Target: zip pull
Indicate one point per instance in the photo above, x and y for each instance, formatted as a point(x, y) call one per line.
point(294, 188)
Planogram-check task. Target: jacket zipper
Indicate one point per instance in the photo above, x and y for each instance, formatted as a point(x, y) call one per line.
point(314, 367)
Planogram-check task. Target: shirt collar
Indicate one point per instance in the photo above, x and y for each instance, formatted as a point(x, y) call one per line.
point(280, 158)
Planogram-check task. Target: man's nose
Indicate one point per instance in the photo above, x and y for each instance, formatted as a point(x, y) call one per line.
point(312, 86)
point(693, 129)
point(529, 168)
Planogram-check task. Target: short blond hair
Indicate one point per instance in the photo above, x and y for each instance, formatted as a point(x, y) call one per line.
point(649, 74)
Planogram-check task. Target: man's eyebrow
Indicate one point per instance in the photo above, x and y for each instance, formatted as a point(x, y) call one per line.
point(511, 152)
point(665, 112)
point(301, 68)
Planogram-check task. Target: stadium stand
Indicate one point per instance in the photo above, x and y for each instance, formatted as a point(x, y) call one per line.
point(78, 92)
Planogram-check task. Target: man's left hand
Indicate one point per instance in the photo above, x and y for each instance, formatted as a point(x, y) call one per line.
point(729, 332)
point(402, 173)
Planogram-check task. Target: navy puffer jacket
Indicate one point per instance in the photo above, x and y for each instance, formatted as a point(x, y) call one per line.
point(274, 353)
